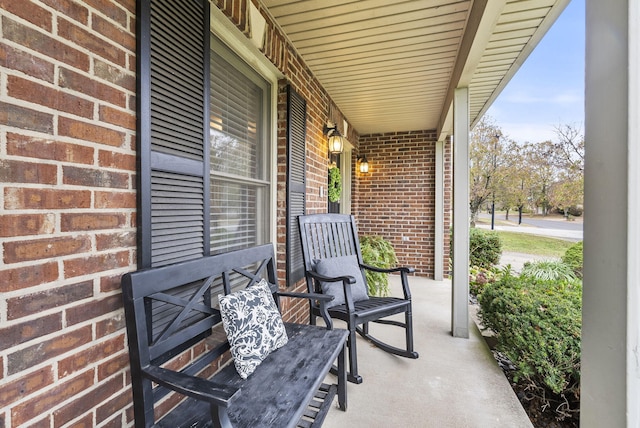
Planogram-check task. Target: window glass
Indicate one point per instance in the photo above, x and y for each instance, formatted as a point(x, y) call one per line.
point(239, 156)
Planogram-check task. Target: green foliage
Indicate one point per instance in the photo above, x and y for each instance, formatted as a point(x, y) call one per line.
point(549, 270)
point(537, 326)
point(335, 184)
point(485, 248)
point(377, 252)
point(479, 277)
point(573, 257)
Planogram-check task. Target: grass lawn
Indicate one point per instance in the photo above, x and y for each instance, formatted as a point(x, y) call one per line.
point(532, 244)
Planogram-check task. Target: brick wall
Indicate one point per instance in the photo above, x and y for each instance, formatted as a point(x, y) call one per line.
point(396, 199)
point(67, 166)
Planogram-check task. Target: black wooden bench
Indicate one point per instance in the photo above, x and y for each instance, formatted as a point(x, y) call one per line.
point(176, 336)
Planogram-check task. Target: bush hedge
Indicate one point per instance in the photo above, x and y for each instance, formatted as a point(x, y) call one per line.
point(485, 248)
point(573, 257)
point(537, 326)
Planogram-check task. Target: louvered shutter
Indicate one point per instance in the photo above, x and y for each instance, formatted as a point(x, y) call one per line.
point(173, 114)
point(296, 182)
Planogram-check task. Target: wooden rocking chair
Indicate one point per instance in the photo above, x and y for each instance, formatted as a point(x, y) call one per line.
point(333, 260)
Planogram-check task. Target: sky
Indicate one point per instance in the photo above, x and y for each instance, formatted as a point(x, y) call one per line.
point(548, 90)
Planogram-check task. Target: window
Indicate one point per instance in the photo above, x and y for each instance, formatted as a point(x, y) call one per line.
point(204, 138)
point(239, 153)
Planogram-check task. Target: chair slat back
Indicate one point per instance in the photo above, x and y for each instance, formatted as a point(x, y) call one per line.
point(325, 236)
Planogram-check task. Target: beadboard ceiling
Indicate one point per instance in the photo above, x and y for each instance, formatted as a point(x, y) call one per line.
point(393, 65)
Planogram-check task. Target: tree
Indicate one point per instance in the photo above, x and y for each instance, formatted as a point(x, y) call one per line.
point(569, 189)
point(486, 158)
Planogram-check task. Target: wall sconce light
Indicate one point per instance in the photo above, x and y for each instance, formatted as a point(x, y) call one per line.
point(364, 164)
point(336, 144)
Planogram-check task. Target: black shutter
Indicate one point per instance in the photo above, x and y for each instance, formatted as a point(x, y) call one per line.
point(173, 129)
point(296, 181)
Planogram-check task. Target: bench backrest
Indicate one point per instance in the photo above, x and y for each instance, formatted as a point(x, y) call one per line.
point(169, 309)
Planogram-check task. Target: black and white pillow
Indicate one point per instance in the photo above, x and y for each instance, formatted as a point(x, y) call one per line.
point(341, 266)
point(253, 325)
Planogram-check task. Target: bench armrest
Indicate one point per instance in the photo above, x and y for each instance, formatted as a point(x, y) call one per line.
point(191, 386)
point(322, 300)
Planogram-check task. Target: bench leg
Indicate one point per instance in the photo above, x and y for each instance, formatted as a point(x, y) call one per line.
point(219, 417)
point(342, 378)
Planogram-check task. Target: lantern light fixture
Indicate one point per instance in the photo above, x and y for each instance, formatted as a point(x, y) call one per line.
point(364, 164)
point(336, 143)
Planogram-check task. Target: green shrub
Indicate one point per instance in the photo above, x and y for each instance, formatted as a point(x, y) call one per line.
point(573, 257)
point(377, 252)
point(479, 277)
point(537, 326)
point(549, 270)
point(485, 248)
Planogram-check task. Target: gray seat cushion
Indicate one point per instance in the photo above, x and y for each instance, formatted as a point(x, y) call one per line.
point(342, 266)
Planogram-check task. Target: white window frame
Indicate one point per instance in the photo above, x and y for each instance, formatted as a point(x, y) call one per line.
point(224, 30)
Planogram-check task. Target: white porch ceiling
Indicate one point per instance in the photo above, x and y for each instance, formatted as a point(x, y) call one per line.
point(393, 65)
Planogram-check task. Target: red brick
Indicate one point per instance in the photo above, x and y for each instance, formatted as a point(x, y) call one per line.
point(45, 199)
point(87, 357)
point(25, 118)
point(50, 398)
point(110, 9)
point(96, 263)
point(116, 33)
point(119, 363)
point(84, 404)
point(89, 177)
point(28, 11)
point(117, 75)
point(14, 59)
point(70, 9)
point(12, 171)
point(115, 200)
point(26, 331)
point(94, 309)
point(96, 45)
point(26, 224)
point(27, 146)
point(41, 249)
point(121, 118)
point(91, 221)
point(25, 385)
point(29, 90)
point(27, 276)
point(110, 283)
point(68, 127)
point(29, 304)
point(116, 404)
point(84, 422)
point(44, 44)
point(115, 240)
point(110, 325)
point(91, 87)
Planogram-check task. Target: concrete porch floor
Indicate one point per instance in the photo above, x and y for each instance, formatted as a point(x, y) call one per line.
point(454, 383)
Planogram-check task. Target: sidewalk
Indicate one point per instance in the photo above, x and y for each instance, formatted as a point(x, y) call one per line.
point(456, 383)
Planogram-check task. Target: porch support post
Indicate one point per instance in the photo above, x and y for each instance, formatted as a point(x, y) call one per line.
point(460, 285)
point(438, 245)
point(610, 387)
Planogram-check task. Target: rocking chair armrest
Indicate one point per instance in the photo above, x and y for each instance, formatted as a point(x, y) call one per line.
point(322, 300)
point(346, 282)
point(403, 270)
point(192, 386)
point(315, 275)
point(400, 269)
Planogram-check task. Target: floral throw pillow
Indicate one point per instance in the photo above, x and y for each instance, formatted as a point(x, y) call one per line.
point(253, 325)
